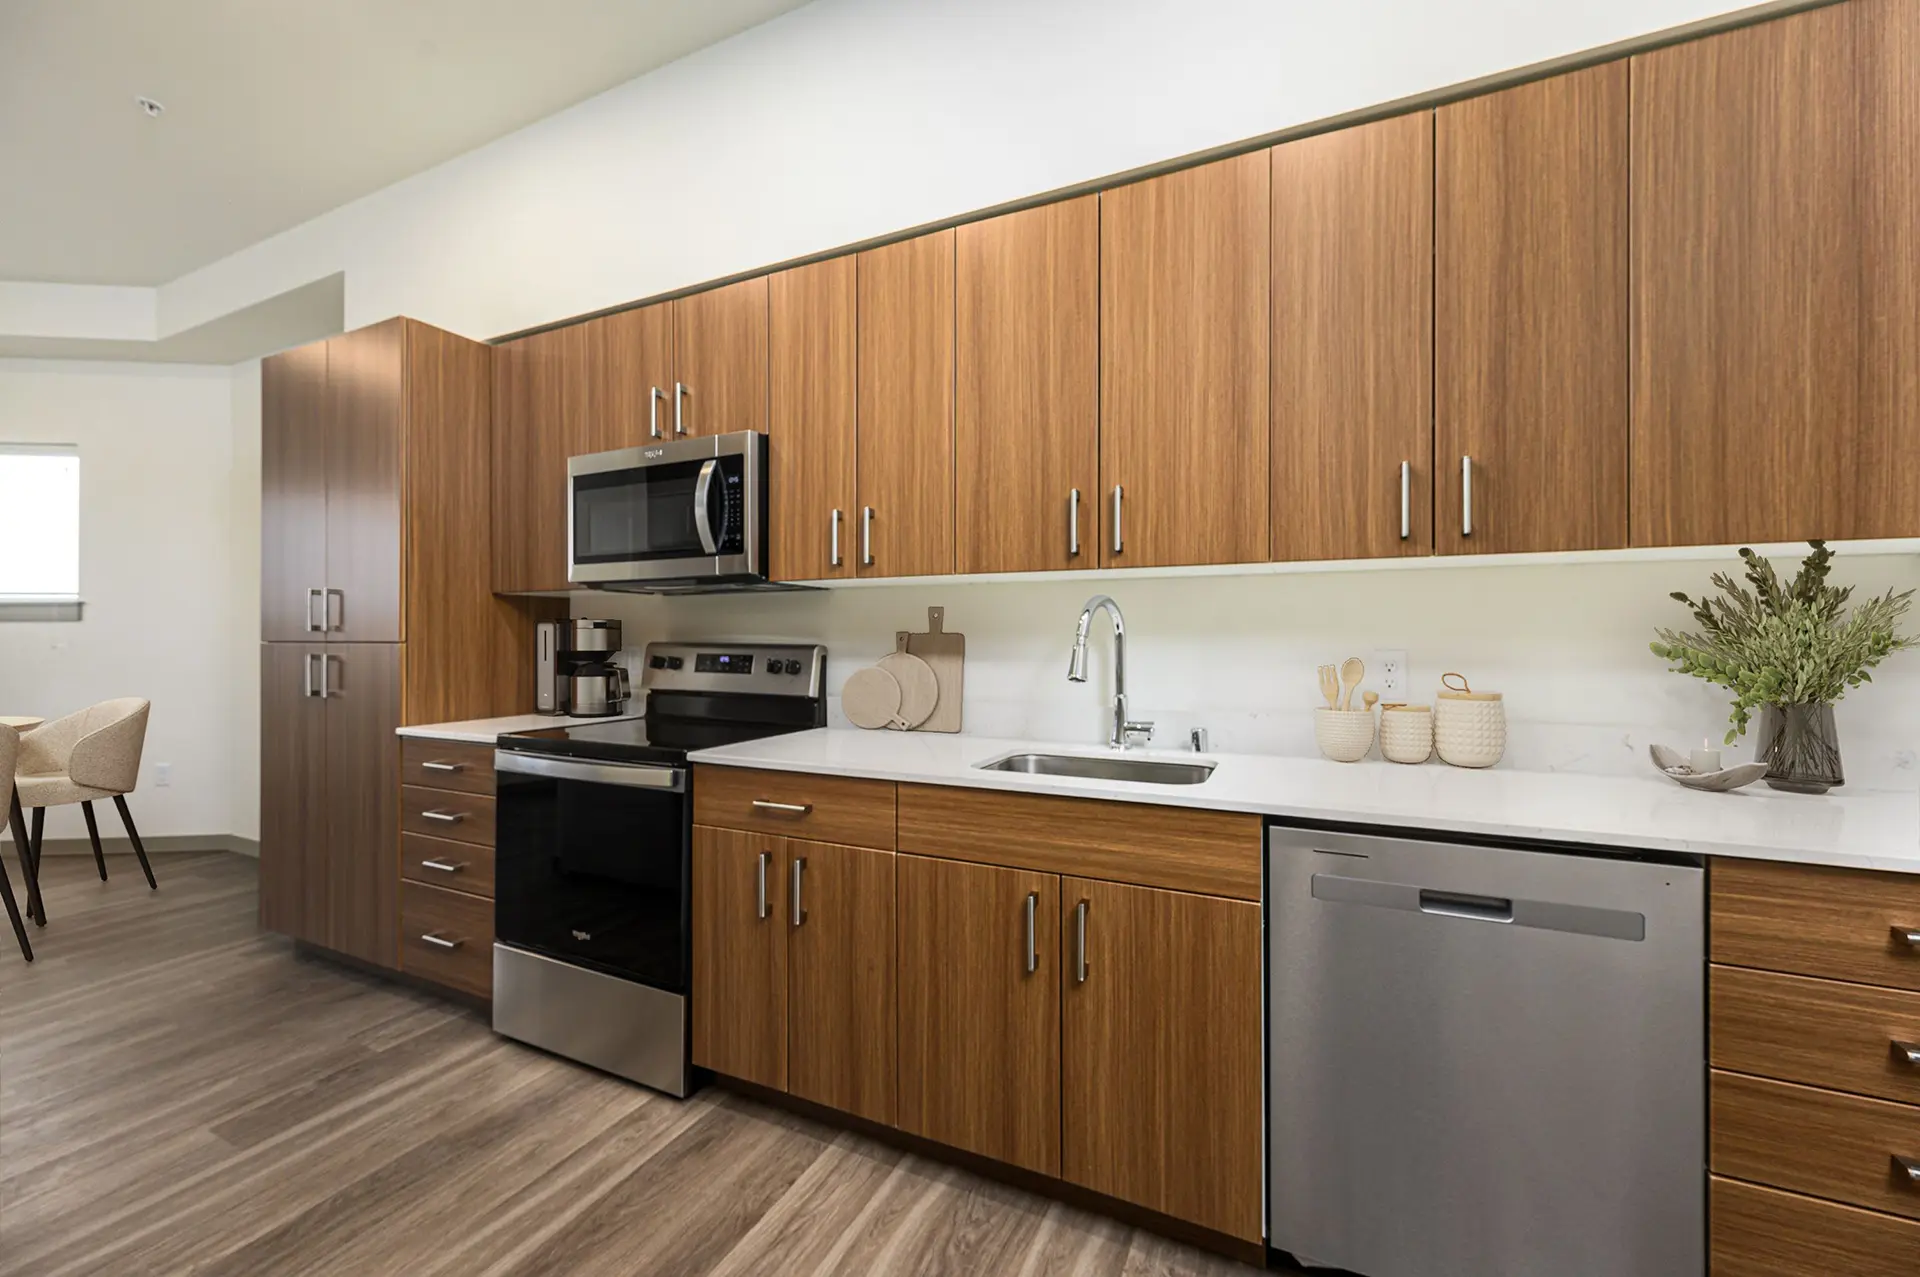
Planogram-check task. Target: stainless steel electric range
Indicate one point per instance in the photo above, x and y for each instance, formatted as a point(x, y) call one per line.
point(593, 904)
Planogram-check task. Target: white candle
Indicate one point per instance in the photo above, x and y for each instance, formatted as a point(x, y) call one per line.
point(1705, 759)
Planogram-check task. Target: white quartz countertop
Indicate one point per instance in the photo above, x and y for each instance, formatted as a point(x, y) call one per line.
point(481, 731)
point(1863, 830)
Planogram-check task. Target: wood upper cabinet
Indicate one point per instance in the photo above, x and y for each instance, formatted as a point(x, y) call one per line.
point(904, 526)
point(365, 437)
point(1027, 389)
point(720, 360)
point(1530, 317)
point(739, 956)
point(810, 420)
point(627, 376)
point(539, 411)
point(1776, 295)
point(293, 493)
point(1352, 372)
point(1183, 366)
point(1161, 1053)
point(979, 983)
point(840, 977)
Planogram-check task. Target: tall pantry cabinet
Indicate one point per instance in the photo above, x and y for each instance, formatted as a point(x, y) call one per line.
point(375, 611)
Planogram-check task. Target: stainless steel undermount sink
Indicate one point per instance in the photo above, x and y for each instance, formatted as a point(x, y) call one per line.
point(1148, 770)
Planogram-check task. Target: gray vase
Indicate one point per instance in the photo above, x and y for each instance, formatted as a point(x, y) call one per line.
point(1801, 748)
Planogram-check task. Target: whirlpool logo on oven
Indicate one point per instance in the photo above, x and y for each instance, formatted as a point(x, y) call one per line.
point(582, 935)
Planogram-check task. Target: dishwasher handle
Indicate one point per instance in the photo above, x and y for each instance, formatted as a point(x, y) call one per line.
point(1461, 904)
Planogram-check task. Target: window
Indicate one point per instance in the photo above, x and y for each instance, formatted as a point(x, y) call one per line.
point(39, 532)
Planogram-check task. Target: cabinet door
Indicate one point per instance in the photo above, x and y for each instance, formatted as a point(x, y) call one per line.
point(627, 377)
point(361, 850)
point(1160, 1051)
point(365, 435)
point(1027, 389)
point(1352, 342)
point(739, 956)
point(980, 1010)
point(840, 1009)
point(293, 493)
point(906, 408)
point(538, 403)
point(720, 360)
point(293, 784)
point(810, 420)
point(1777, 281)
point(1530, 317)
point(1183, 366)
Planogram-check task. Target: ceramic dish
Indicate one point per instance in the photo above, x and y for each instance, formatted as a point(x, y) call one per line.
point(1673, 763)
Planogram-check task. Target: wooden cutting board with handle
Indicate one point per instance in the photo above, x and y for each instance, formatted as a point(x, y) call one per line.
point(946, 652)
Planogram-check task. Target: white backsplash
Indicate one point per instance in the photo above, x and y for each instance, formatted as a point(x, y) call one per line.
point(1566, 643)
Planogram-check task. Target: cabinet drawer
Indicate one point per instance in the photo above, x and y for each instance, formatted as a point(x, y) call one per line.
point(447, 937)
point(439, 814)
point(441, 764)
point(1757, 1232)
point(1214, 853)
point(1845, 1037)
point(1822, 1143)
point(855, 813)
point(456, 866)
point(1844, 924)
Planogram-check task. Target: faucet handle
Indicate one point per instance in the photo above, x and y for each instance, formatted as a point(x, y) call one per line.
point(1198, 738)
point(1130, 729)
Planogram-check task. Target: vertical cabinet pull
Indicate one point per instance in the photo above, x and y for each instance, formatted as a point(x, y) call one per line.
point(326, 666)
point(1073, 524)
point(316, 594)
point(653, 410)
point(1033, 939)
point(1406, 500)
point(679, 407)
point(761, 903)
point(866, 536)
point(327, 612)
point(1466, 496)
point(307, 667)
point(833, 558)
point(1119, 541)
point(1080, 943)
point(799, 867)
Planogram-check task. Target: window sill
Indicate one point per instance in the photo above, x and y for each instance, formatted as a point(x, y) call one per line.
point(44, 609)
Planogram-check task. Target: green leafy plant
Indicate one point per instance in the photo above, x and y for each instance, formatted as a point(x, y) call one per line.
point(1786, 643)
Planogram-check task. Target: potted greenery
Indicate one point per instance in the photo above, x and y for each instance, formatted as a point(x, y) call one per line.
point(1788, 650)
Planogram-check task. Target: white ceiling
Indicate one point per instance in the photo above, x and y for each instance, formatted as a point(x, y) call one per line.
point(279, 110)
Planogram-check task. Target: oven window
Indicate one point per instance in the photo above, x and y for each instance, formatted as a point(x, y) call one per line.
point(644, 513)
point(594, 874)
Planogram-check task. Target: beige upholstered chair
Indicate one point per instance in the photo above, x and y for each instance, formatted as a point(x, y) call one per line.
point(77, 759)
point(9, 753)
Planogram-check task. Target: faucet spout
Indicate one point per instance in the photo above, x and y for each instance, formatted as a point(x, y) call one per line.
point(1123, 728)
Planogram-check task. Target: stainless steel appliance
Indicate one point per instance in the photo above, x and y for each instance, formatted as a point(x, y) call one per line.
point(574, 669)
point(593, 846)
point(679, 516)
point(1484, 1060)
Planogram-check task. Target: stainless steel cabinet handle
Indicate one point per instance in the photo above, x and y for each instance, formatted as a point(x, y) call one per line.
point(1119, 541)
point(1080, 943)
point(1466, 496)
point(1911, 1165)
point(799, 867)
point(439, 941)
point(307, 666)
point(1406, 500)
point(833, 560)
point(866, 535)
point(332, 624)
point(1908, 936)
point(326, 669)
point(444, 817)
point(1909, 1049)
point(760, 898)
point(679, 414)
point(1073, 523)
point(653, 411)
point(316, 594)
point(1033, 940)
point(438, 765)
point(444, 866)
point(798, 809)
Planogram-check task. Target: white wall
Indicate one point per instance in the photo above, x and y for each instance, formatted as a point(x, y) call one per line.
point(243, 605)
point(157, 571)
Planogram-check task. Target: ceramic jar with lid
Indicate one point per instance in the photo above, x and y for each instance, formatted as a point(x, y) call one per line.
point(1469, 727)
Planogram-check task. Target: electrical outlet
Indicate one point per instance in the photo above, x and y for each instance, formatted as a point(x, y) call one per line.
point(1391, 670)
point(162, 775)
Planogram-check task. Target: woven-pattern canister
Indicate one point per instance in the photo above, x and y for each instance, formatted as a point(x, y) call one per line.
point(1469, 727)
point(1406, 733)
point(1344, 735)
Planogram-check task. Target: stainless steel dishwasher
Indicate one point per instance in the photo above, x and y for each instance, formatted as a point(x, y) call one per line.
point(1483, 1061)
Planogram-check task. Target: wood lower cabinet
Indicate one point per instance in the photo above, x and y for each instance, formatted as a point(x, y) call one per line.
point(840, 977)
point(1160, 1051)
point(979, 976)
point(739, 956)
point(294, 898)
point(810, 420)
point(447, 937)
point(720, 360)
point(1758, 1232)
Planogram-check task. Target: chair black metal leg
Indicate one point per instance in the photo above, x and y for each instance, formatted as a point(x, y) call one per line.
point(93, 835)
point(17, 821)
point(37, 841)
point(139, 849)
point(13, 915)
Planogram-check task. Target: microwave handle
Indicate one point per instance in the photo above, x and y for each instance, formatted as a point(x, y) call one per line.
point(702, 490)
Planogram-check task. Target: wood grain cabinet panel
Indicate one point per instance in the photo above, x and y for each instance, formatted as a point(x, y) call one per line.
point(720, 359)
point(837, 809)
point(1840, 1147)
point(539, 405)
point(1777, 281)
point(365, 472)
point(810, 420)
point(447, 937)
point(445, 764)
point(294, 899)
point(1183, 366)
point(739, 956)
point(293, 493)
point(627, 379)
point(1841, 924)
point(1352, 364)
point(1758, 1232)
point(1845, 1037)
point(840, 977)
point(1027, 389)
point(1160, 1052)
point(361, 800)
point(980, 1009)
point(905, 436)
point(454, 866)
point(440, 813)
point(1530, 316)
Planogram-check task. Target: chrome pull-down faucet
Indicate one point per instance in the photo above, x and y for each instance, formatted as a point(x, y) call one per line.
point(1124, 729)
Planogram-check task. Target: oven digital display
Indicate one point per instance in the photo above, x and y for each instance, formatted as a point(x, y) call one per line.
point(723, 663)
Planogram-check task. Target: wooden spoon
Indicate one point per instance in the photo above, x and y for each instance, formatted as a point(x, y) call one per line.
point(1352, 670)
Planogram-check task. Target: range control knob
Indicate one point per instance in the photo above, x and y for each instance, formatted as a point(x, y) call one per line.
point(675, 662)
point(773, 665)
point(793, 667)
point(656, 662)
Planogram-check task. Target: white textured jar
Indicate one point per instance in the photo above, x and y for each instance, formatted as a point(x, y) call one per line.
point(1406, 733)
point(1344, 735)
point(1469, 727)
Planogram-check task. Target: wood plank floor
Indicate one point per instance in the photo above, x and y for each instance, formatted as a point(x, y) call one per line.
point(180, 1093)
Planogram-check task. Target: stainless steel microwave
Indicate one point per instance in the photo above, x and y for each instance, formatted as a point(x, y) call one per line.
point(682, 516)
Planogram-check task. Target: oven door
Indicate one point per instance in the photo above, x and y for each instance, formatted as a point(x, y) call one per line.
point(591, 865)
point(689, 509)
